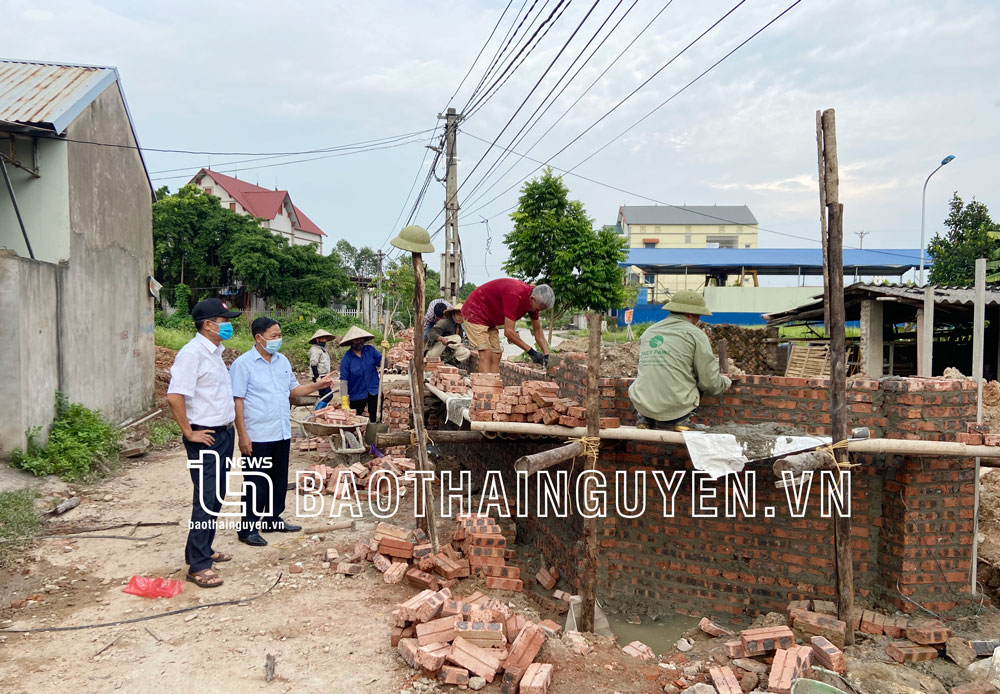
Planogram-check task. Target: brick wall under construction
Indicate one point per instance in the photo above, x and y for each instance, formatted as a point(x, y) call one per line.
point(912, 517)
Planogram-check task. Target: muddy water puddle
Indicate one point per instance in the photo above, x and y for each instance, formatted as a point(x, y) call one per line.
point(659, 635)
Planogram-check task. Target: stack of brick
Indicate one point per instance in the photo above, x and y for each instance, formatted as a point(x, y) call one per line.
point(481, 540)
point(399, 355)
point(532, 401)
point(453, 639)
point(333, 414)
point(311, 444)
point(337, 480)
point(448, 379)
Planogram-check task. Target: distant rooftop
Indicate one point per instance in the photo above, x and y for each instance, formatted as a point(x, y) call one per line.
point(770, 261)
point(260, 202)
point(687, 214)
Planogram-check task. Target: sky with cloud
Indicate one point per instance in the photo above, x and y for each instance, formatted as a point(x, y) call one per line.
point(911, 82)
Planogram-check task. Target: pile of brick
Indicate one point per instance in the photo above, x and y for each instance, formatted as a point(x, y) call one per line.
point(399, 355)
point(311, 444)
point(336, 480)
point(335, 415)
point(448, 379)
point(532, 401)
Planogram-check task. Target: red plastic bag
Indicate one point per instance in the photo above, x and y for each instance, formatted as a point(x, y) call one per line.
point(149, 587)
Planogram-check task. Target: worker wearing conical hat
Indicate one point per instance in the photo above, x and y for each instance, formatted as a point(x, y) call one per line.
point(319, 358)
point(445, 338)
point(359, 373)
point(676, 365)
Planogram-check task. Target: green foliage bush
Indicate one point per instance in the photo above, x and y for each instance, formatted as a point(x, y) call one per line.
point(81, 442)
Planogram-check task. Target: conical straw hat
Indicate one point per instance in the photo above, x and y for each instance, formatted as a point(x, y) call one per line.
point(320, 333)
point(354, 333)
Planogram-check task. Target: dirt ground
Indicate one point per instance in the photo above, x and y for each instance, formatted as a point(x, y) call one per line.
point(328, 632)
point(617, 360)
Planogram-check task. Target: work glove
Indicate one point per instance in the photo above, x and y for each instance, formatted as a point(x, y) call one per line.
point(345, 402)
point(537, 356)
point(545, 360)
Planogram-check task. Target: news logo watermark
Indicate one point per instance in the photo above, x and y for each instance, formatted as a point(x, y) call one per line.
point(627, 494)
point(257, 487)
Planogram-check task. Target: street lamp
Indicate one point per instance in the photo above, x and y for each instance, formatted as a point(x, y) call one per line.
point(923, 207)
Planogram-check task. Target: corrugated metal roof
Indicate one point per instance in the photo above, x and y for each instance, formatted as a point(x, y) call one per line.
point(687, 214)
point(49, 95)
point(770, 261)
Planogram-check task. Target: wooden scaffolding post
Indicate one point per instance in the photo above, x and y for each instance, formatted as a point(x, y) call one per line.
point(834, 292)
point(593, 431)
point(428, 522)
point(822, 215)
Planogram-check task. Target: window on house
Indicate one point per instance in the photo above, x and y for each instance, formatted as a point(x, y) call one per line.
point(647, 244)
point(687, 237)
point(208, 191)
point(722, 241)
point(746, 245)
point(232, 206)
point(648, 278)
point(688, 228)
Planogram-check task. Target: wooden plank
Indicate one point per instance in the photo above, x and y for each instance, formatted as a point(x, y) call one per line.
point(593, 430)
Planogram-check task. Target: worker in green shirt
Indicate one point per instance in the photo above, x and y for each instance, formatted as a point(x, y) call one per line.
point(676, 364)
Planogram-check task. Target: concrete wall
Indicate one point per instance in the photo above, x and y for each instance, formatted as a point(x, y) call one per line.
point(106, 313)
point(30, 358)
point(758, 299)
point(43, 201)
point(691, 235)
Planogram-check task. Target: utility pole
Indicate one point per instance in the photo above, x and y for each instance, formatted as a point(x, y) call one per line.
point(451, 259)
point(861, 237)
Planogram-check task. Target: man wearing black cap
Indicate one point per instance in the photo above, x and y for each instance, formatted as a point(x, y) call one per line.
point(201, 400)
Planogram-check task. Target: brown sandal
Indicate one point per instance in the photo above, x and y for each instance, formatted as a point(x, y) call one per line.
point(221, 556)
point(206, 578)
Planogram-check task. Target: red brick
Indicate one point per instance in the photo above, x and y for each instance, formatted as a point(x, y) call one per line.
point(431, 657)
point(453, 675)
point(734, 649)
point(476, 660)
point(396, 572)
point(536, 679)
point(408, 649)
point(421, 579)
point(550, 627)
point(828, 655)
point(978, 687)
point(482, 634)
point(495, 583)
point(725, 680)
point(766, 639)
point(928, 632)
point(545, 579)
point(909, 652)
point(437, 630)
point(637, 649)
point(813, 623)
point(350, 569)
point(713, 629)
point(525, 648)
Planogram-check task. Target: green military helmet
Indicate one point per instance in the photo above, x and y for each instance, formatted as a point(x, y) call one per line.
point(414, 239)
point(688, 301)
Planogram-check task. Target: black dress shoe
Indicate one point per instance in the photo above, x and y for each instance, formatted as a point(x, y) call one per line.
point(279, 526)
point(253, 539)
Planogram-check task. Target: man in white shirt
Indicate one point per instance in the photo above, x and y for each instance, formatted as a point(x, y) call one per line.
point(201, 401)
point(262, 380)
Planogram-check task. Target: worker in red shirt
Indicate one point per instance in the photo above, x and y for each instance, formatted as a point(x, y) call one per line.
point(504, 302)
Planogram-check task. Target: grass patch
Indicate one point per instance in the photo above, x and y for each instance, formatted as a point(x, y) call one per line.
point(163, 430)
point(81, 443)
point(17, 519)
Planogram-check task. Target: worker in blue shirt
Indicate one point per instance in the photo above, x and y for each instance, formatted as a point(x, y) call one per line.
point(359, 373)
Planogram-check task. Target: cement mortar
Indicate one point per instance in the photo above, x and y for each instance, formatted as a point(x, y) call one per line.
point(758, 440)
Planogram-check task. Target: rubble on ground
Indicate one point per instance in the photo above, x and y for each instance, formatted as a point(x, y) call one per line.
point(357, 480)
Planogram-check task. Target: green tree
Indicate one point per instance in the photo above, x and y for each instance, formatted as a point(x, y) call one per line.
point(553, 241)
point(197, 242)
point(399, 287)
point(465, 290)
point(966, 238)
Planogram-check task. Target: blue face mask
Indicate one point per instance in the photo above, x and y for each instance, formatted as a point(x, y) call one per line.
point(272, 346)
point(225, 331)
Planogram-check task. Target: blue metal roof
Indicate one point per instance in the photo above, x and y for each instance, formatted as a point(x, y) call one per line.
point(771, 261)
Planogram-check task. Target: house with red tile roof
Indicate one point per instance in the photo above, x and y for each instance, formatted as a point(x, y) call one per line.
point(273, 207)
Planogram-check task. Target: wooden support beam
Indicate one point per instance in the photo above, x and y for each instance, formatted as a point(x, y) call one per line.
point(546, 459)
point(979, 324)
point(429, 521)
point(871, 336)
point(593, 430)
point(722, 346)
point(403, 438)
point(925, 334)
point(834, 276)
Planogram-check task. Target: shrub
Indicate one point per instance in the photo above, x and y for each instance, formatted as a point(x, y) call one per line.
point(80, 442)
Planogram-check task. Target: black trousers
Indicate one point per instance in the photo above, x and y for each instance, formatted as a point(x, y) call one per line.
point(263, 504)
point(209, 482)
point(371, 402)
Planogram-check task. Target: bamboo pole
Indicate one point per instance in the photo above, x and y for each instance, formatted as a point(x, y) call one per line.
point(546, 459)
point(593, 430)
point(834, 285)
